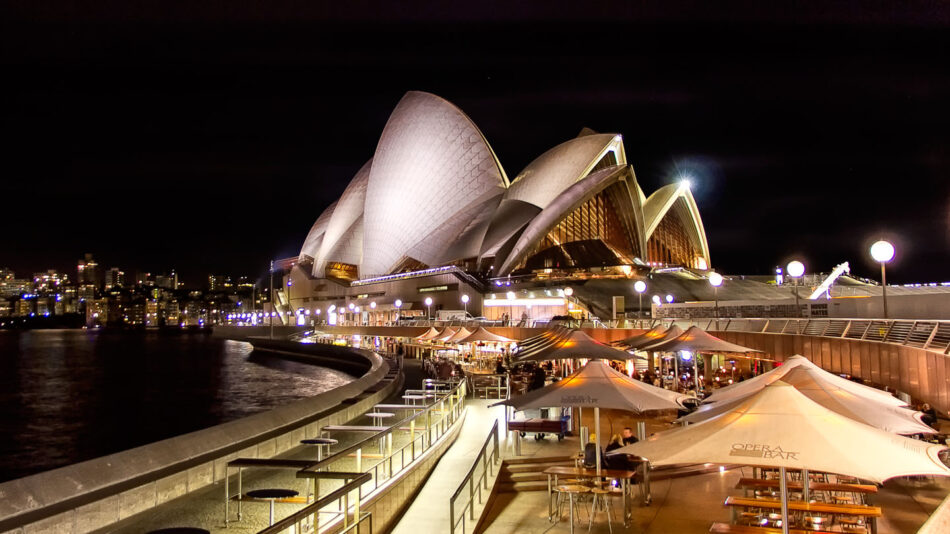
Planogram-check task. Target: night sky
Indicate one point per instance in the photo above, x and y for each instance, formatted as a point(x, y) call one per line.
point(209, 140)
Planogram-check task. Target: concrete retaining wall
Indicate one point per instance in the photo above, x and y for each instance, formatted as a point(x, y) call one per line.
point(90, 495)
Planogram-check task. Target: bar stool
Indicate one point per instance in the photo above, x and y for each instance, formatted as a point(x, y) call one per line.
point(572, 491)
point(602, 497)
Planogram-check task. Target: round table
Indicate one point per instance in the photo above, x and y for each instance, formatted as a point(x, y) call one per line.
point(379, 416)
point(414, 398)
point(271, 494)
point(180, 530)
point(320, 443)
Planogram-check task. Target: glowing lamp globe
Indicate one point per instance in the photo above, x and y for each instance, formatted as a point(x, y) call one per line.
point(465, 299)
point(882, 251)
point(795, 269)
point(511, 295)
point(568, 291)
point(640, 286)
point(669, 298)
point(715, 279)
point(428, 301)
point(372, 305)
point(656, 299)
point(398, 303)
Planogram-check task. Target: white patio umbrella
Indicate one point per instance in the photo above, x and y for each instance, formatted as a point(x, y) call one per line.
point(814, 383)
point(780, 427)
point(742, 389)
point(598, 386)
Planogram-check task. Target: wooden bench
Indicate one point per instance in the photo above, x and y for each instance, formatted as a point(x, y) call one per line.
point(857, 510)
point(763, 483)
point(726, 528)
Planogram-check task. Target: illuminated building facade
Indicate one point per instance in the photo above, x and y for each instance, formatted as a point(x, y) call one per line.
point(434, 195)
point(576, 206)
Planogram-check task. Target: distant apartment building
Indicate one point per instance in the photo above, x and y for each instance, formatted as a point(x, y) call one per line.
point(115, 279)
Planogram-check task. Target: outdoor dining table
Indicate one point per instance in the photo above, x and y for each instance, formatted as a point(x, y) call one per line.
point(773, 484)
point(860, 510)
point(320, 444)
point(621, 474)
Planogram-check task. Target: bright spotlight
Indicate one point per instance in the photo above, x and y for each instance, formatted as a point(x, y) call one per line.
point(795, 269)
point(882, 251)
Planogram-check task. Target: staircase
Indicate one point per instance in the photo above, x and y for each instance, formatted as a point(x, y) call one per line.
point(527, 474)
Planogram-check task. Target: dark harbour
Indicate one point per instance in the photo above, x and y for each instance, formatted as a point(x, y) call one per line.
point(72, 395)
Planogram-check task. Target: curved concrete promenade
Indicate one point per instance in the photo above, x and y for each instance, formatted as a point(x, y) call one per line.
point(94, 494)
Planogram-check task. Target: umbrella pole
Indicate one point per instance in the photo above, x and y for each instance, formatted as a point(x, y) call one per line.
point(580, 425)
point(597, 436)
point(783, 484)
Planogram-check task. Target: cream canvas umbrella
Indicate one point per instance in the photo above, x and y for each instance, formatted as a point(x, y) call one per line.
point(428, 334)
point(695, 339)
point(446, 333)
point(482, 335)
point(650, 337)
point(780, 427)
point(535, 343)
point(459, 335)
point(598, 386)
point(813, 382)
point(575, 344)
point(742, 389)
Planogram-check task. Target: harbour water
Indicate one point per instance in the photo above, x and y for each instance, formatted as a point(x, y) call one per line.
point(73, 395)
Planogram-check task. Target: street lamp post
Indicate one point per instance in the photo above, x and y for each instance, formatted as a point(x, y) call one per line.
point(640, 286)
point(271, 296)
point(397, 304)
point(715, 280)
point(883, 252)
point(796, 270)
point(465, 305)
point(429, 308)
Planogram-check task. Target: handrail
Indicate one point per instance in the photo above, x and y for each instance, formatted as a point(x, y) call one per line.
point(487, 462)
point(440, 396)
point(358, 479)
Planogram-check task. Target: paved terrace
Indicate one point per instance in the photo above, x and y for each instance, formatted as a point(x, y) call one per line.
point(684, 505)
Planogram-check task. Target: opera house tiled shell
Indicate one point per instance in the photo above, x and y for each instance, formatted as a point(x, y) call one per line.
point(434, 194)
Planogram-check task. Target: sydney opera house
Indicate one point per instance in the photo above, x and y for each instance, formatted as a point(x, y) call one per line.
point(434, 213)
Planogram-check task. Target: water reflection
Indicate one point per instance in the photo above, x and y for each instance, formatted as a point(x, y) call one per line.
point(72, 395)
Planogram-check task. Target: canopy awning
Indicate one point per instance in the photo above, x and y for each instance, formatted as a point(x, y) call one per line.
point(695, 339)
point(781, 427)
point(671, 333)
point(596, 385)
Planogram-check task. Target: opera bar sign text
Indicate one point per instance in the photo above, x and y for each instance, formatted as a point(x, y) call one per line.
point(758, 450)
point(574, 400)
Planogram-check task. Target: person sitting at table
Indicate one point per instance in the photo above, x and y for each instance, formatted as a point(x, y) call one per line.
point(930, 415)
point(615, 443)
point(627, 435)
point(591, 452)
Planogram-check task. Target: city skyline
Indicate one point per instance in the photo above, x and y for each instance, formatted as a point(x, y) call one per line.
point(821, 131)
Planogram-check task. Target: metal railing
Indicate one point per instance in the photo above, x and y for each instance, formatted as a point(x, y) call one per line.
point(448, 404)
point(307, 518)
point(933, 335)
point(487, 460)
point(422, 430)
